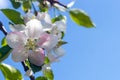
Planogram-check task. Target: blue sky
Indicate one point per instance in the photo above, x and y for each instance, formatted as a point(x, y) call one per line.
point(91, 54)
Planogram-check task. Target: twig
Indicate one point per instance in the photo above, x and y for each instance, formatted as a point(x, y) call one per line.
point(2, 28)
point(27, 68)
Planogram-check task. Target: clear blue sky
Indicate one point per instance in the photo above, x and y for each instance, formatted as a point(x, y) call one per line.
point(92, 54)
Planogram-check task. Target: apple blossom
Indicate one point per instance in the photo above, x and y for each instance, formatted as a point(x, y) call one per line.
point(29, 42)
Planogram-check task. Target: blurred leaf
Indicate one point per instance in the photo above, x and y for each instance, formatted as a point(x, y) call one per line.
point(13, 15)
point(43, 8)
point(10, 73)
point(41, 78)
point(35, 68)
point(46, 61)
point(81, 18)
point(58, 18)
point(26, 5)
point(4, 52)
point(60, 43)
point(15, 4)
point(4, 42)
point(49, 74)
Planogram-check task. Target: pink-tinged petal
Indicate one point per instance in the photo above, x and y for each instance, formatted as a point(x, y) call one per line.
point(34, 28)
point(37, 57)
point(19, 54)
point(48, 41)
point(15, 39)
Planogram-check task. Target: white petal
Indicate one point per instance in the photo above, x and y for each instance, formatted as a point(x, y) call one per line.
point(29, 72)
point(59, 51)
point(15, 39)
point(61, 25)
point(71, 4)
point(19, 54)
point(45, 20)
point(52, 58)
point(18, 27)
point(29, 16)
point(37, 57)
point(34, 28)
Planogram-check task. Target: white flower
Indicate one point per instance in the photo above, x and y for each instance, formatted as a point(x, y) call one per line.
point(29, 42)
point(57, 53)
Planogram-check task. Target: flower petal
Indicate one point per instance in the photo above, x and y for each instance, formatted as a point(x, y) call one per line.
point(59, 51)
point(37, 57)
point(29, 16)
point(18, 27)
point(19, 54)
point(15, 39)
point(45, 20)
point(48, 41)
point(71, 4)
point(61, 26)
point(34, 28)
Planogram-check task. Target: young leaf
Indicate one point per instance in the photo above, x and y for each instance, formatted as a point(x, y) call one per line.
point(49, 74)
point(4, 42)
point(35, 68)
point(10, 73)
point(26, 5)
point(15, 4)
point(4, 52)
point(58, 18)
point(41, 78)
point(81, 18)
point(13, 15)
point(60, 43)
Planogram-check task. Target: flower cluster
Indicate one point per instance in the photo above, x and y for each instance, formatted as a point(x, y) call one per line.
point(36, 39)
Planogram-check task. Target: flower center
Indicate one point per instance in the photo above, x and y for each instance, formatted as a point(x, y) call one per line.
point(31, 44)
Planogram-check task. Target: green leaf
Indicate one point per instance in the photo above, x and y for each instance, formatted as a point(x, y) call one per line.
point(13, 15)
point(46, 61)
point(81, 18)
point(4, 42)
point(60, 43)
point(41, 78)
point(15, 4)
point(26, 5)
point(4, 52)
point(35, 68)
point(49, 74)
point(10, 73)
point(58, 18)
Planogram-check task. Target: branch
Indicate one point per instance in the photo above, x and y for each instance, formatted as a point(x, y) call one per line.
point(2, 28)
